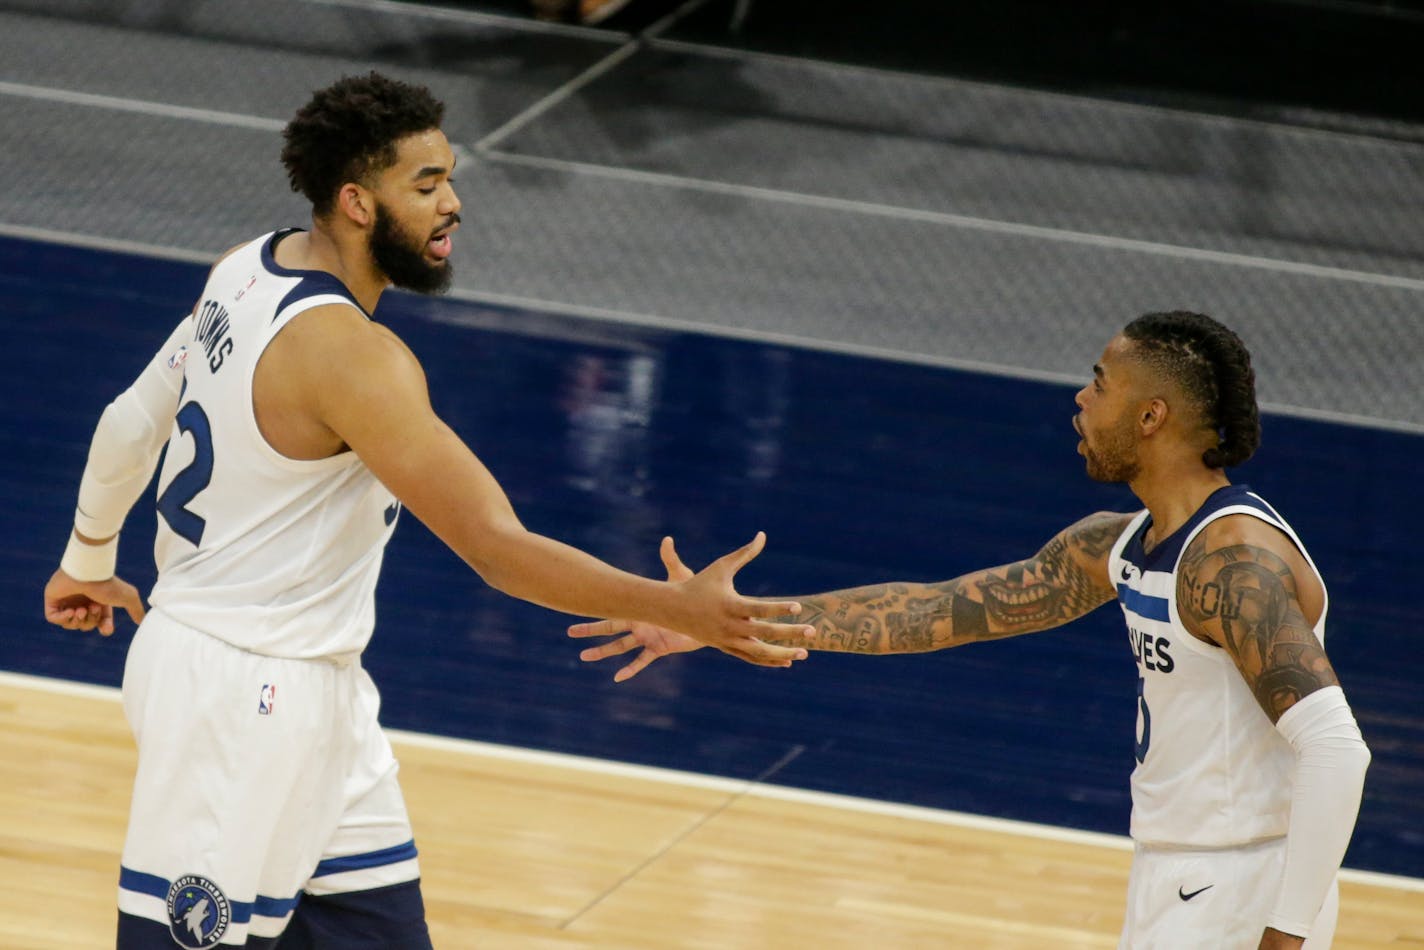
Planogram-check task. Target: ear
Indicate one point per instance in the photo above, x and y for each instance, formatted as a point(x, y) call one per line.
point(356, 203)
point(1153, 415)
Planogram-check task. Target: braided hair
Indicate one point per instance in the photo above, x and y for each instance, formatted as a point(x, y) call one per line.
point(1213, 368)
point(349, 130)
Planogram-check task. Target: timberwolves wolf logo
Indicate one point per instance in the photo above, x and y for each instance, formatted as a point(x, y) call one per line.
point(198, 913)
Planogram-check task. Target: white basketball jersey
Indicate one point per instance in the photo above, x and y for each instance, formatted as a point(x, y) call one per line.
point(1212, 770)
point(271, 554)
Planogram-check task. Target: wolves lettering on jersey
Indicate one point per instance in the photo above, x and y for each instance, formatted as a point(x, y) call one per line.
point(274, 555)
point(1212, 771)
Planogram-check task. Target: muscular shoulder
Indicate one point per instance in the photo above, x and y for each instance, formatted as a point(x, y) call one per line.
point(1236, 550)
point(1244, 586)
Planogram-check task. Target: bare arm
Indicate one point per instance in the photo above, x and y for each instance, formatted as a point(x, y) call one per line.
point(1066, 579)
point(367, 388)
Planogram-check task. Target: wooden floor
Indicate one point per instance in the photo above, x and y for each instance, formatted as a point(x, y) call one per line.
point(527, 851)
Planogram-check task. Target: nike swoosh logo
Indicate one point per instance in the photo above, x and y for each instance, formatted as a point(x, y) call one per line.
point(1187, 897)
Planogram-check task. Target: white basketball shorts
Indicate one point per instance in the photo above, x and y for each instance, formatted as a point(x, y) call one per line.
point(259, 778)
point(1194, 900)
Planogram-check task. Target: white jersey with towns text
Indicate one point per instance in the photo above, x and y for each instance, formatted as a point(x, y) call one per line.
point(273, 555)
point(1212, 770)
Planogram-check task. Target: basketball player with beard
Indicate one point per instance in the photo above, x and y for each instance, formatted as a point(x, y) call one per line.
point(1250, 765)
point(266, 804)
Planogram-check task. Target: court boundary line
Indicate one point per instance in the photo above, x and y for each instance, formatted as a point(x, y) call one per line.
point(485, 147)
point(748, 788)
point(950, 219)
point(561, 308)
point(147, 107)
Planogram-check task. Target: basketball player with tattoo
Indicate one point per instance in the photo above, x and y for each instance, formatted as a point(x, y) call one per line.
point(1250, 765)
point(266, 804)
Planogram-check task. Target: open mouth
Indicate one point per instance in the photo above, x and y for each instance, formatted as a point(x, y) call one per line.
point(1019, 605)
point(440, 244)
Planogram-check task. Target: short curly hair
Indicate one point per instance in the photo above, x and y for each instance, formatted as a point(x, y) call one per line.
point(1213, 367)
point(349, 130)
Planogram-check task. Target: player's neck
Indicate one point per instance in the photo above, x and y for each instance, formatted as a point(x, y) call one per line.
point(1174, 493)
point(349, 261)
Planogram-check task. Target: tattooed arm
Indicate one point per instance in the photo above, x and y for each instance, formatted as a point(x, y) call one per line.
point(1244, 586)
point(1066, 579)
point(1063, 581)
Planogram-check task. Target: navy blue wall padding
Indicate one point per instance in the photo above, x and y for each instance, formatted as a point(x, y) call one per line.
point(860, 470)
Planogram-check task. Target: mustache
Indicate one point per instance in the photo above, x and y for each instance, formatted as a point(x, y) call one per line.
point(450, 222)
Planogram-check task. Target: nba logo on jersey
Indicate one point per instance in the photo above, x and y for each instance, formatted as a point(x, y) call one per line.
point(264, 701)
point(177, 360)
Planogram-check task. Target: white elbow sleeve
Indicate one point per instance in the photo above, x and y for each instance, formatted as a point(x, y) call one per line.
point(1330, 773)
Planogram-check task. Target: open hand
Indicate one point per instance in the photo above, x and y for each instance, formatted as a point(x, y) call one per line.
point(87, 605)
point(658, 641)
point(720, 617)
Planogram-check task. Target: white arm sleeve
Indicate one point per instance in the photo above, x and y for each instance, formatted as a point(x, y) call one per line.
point(1331, 758)
point(126, 445)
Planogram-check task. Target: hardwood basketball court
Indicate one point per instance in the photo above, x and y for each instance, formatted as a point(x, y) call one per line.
point(529, 850)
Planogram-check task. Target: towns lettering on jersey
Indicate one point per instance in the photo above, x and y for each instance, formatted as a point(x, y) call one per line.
point(212, 332)
point(1151, 652)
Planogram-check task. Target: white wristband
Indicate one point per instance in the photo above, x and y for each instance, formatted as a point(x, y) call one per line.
point(90, 562)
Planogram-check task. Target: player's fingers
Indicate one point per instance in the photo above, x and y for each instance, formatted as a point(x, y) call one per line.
point(769, 608)
point(640, 663)
point(764, 654)
point(131, 602)
point(612, 648)
point(600, 628)
point(783, 631)
point(738, 559)
point(676, 570)
point(106, 622)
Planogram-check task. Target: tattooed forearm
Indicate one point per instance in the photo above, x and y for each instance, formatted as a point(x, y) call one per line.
point(1065, 580)
point(892, 618)
point(1244, 597)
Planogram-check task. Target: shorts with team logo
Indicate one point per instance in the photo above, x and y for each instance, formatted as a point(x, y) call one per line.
point(260, 781)
point(1181, 899)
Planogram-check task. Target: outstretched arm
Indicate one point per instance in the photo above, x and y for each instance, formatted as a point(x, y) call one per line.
point(1066, 579)
point(367, 388)
point(1244, 586)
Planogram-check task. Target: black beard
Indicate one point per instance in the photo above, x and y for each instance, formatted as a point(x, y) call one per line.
point(402, 259)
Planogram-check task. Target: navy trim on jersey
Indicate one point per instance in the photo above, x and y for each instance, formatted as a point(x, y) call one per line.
point(1144, 605)
point(371, 859)
point(1163, 558)
point(141, 883)
point(151, 884)
point(312, 283)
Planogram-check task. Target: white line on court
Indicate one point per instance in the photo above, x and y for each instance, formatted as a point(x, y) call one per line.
point(966, 222)
point(578, 763)
point(659, 322)
point(140, 106)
